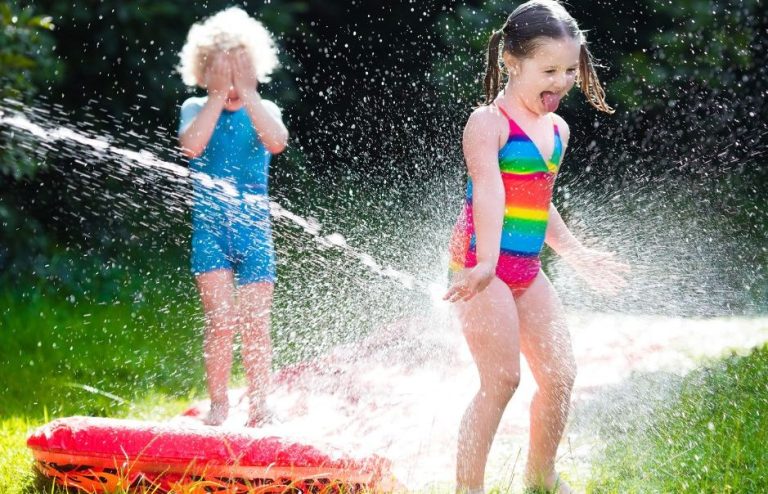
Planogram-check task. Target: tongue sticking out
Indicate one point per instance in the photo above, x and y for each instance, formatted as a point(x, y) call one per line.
point(550, 100)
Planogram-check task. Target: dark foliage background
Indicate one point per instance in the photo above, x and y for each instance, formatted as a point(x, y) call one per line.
point(373, 92)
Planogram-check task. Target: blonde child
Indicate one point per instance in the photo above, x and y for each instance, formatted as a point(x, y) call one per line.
point(513, 147)
point(229, 137)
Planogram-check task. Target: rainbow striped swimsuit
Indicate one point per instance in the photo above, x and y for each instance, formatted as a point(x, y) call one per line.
point(528, 182)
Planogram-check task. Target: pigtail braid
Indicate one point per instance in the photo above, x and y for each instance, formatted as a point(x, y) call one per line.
point(589, 82)
point(492, 82)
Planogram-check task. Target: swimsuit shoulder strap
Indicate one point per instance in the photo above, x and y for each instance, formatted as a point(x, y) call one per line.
point(513, 127)
point(557, 151)
point(503, 112)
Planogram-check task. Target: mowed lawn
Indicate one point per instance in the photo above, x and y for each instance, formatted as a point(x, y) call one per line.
point(137, 357)
point(710, 437)
point(141, 357)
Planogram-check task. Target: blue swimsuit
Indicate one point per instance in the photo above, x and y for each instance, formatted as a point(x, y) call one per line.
point(231, 227)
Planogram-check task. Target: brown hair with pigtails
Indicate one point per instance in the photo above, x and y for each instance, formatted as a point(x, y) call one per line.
point(588, 81)
point(492, 82)
point(523, 32)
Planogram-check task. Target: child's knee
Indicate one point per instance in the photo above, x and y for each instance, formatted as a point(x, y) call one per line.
point(502, 384)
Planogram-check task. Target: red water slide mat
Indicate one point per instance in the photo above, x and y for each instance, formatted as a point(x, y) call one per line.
point(116, 455)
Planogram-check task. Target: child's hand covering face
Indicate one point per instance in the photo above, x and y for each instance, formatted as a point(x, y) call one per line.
point(243, 72)
point(218, 75)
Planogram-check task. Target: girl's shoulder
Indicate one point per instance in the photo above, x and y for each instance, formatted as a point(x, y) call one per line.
point(488, 117)
point(486, 126)
point(562, 128)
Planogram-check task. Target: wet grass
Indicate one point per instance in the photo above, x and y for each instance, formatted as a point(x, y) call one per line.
point(138, 356)
point(709, 438)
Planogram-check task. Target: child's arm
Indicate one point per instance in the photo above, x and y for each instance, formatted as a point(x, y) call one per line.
point(481, 148)
point(559, 236)
point(267, 124)
point(600, 269)
point(194, 137)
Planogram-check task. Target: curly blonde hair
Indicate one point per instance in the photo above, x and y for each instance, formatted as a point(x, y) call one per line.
point(229, 29)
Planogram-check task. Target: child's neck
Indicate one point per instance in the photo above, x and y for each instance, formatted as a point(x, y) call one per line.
point(515, 105)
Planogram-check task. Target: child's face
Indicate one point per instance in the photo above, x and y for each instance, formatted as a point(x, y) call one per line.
point(232, 102)
point(545, 77)
point(233, 98)
point(233, 72)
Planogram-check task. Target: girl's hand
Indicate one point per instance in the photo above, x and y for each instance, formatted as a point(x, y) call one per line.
point(218, 76)
point(600, 270)
point(473, 282)
point(243, 73)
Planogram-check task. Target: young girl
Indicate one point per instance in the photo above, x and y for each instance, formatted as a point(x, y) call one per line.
point(229, 137)
point(513, 146)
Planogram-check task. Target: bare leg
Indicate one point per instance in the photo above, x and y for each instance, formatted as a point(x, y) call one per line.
point(254, 309)
point(490, 326)
point(546, 344)
point(217, 294)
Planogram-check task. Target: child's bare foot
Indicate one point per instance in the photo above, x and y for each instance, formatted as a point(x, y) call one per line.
point(260, 417)
point(549, 484)
point(217, 413)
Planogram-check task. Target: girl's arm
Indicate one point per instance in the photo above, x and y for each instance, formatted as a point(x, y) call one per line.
point(481, 149)
point(267, 124)
point(559, 237)
point(599, 269)
point(194, 138)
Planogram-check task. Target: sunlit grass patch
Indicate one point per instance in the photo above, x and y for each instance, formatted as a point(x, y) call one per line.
point(15, 460)
point(710, 437)
point(132, 357)
point(95, 359)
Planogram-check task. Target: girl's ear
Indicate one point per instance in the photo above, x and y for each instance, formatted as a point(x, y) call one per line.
point(511, 64)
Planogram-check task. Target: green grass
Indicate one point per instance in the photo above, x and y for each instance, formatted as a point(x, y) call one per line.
point(15, 461)
point(140, 356)
point(135, 357)
point(710, 438)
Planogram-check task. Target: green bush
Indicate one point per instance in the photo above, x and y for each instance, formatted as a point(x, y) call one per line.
point(27, 63)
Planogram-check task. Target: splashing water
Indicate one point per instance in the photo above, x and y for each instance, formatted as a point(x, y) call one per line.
point(399, 386)
point(370, 398)
point(145, 159)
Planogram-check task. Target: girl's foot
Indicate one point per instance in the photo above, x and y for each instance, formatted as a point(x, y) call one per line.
point(217, 413)
point(550, 484)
